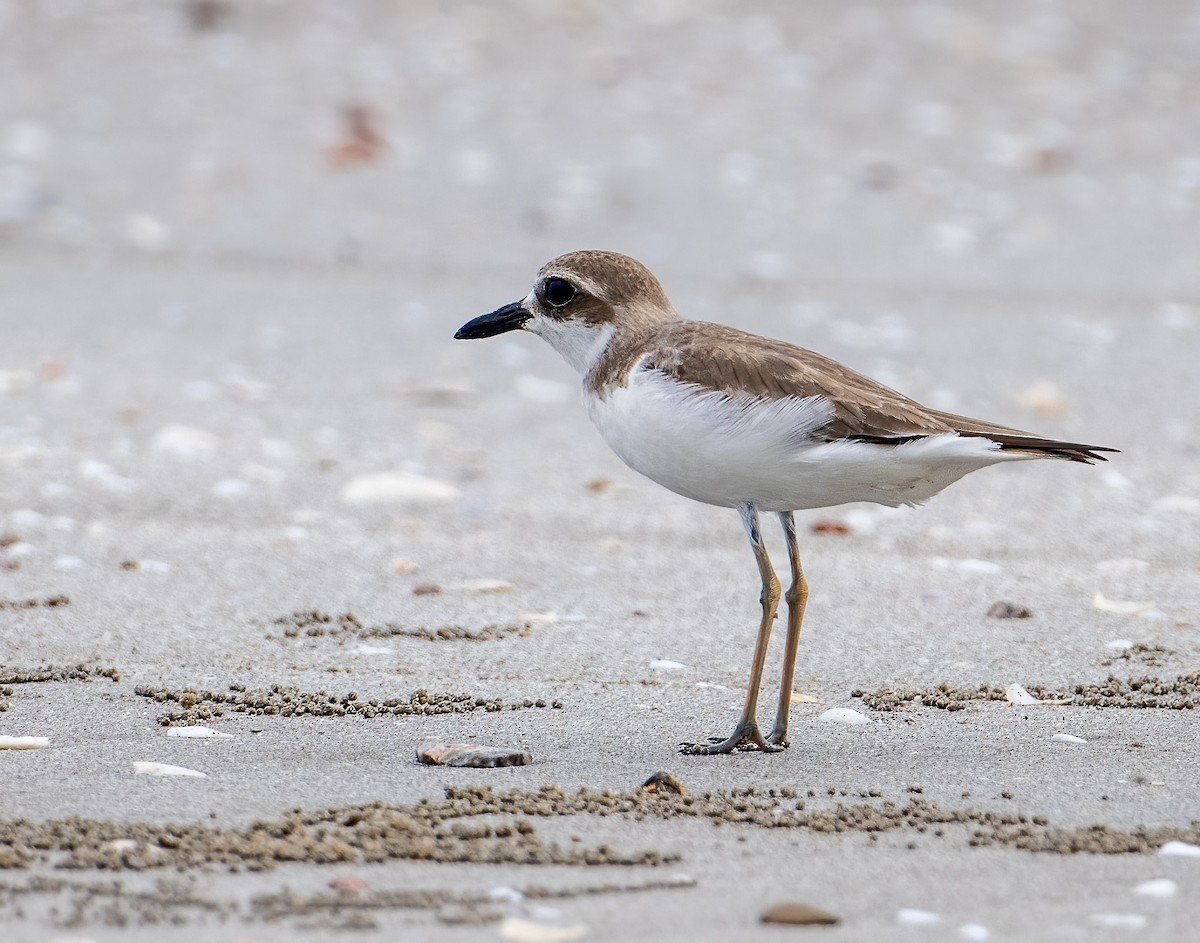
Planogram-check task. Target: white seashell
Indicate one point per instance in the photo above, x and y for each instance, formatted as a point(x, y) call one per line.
point(665, 664)
point(397, 488)
point(974, 931)
point(198, 732)
point(1119, 645)
point(481, 587)
point(23, 743)
point(1019, 697)
point(917, 918)
point(184, 441)
point(20, 549)
point(1119, 921)
point(1157, 887)
point(1180, 849)
point(1120, 607)
point(154, 566)
point(26, 518)
point(1067, 738)
point(67, 561)
point(526, 931)
point(122, 844)
point(506, 895)
point(537, 618)
point(710, 686)
point(146, 768)
point(843, 715)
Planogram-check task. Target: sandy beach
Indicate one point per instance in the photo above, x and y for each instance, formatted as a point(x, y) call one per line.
point(248, 480)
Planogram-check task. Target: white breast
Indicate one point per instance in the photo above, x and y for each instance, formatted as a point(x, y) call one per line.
point(728, 451)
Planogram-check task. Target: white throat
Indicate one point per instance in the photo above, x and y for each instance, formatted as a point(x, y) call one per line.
point(579, 344)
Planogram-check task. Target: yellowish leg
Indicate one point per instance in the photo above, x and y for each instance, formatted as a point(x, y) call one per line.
point(746, 735)
point(797, 598)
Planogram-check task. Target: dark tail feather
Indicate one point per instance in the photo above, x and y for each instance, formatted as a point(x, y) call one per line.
point(1052, 448)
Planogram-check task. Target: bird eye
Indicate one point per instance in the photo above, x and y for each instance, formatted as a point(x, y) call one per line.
point(558, 292)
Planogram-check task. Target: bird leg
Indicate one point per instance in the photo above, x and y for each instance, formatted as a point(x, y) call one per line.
point(797, 597)
point(746, 735)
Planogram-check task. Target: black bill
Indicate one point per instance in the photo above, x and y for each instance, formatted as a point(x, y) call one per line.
point(508, 318)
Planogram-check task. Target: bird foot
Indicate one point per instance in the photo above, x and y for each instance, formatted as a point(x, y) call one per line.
point(746, 738)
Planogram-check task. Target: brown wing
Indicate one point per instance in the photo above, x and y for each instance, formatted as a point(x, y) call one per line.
point(716, 357)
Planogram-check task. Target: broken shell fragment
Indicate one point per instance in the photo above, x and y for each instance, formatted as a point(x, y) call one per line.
point(440, 753)
point(663, 782)
point(23, 743)
point(800, 915)
point(145, 768)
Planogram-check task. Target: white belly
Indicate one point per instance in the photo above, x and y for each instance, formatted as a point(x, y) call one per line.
point(705, 446)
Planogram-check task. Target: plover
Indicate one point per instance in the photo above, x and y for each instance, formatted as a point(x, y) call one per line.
point(741, 421)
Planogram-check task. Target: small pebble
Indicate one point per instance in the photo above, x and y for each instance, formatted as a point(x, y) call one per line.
point(974, 931)
point(800, 915)
point(1009, 610)
point(663, 782)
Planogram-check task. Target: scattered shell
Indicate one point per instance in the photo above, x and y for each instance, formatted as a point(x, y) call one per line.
point(597, 485)
point(664, 664)
point(404, 566)
point(361, 141)
point(800, 915)
point(506, 895)
point(1120, 607)
point(917, 918)
point(482, 587)
point(348, 884)
point(828, 525)
point(1044, 399)
point(537, 618)
point(1119, 645)
point(526, 931)
point(1180, 849)
point(23, 743)
point(1018, 697)
point(1009, 610)
point(1067, 738)
point(440, 753)
point(198, 732)
point(372, 650)
point(663, 782)
point(798, 698)
point(231, 488)
point(68, 561)
point(397, 488)
point(1119, 921)
point(144, 768)
point(427, 589)
point(1157, 887)
point(843, 715)
point(184, 441)
point(974, 931)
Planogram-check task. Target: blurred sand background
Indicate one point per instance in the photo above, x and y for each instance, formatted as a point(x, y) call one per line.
point(235, 241)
